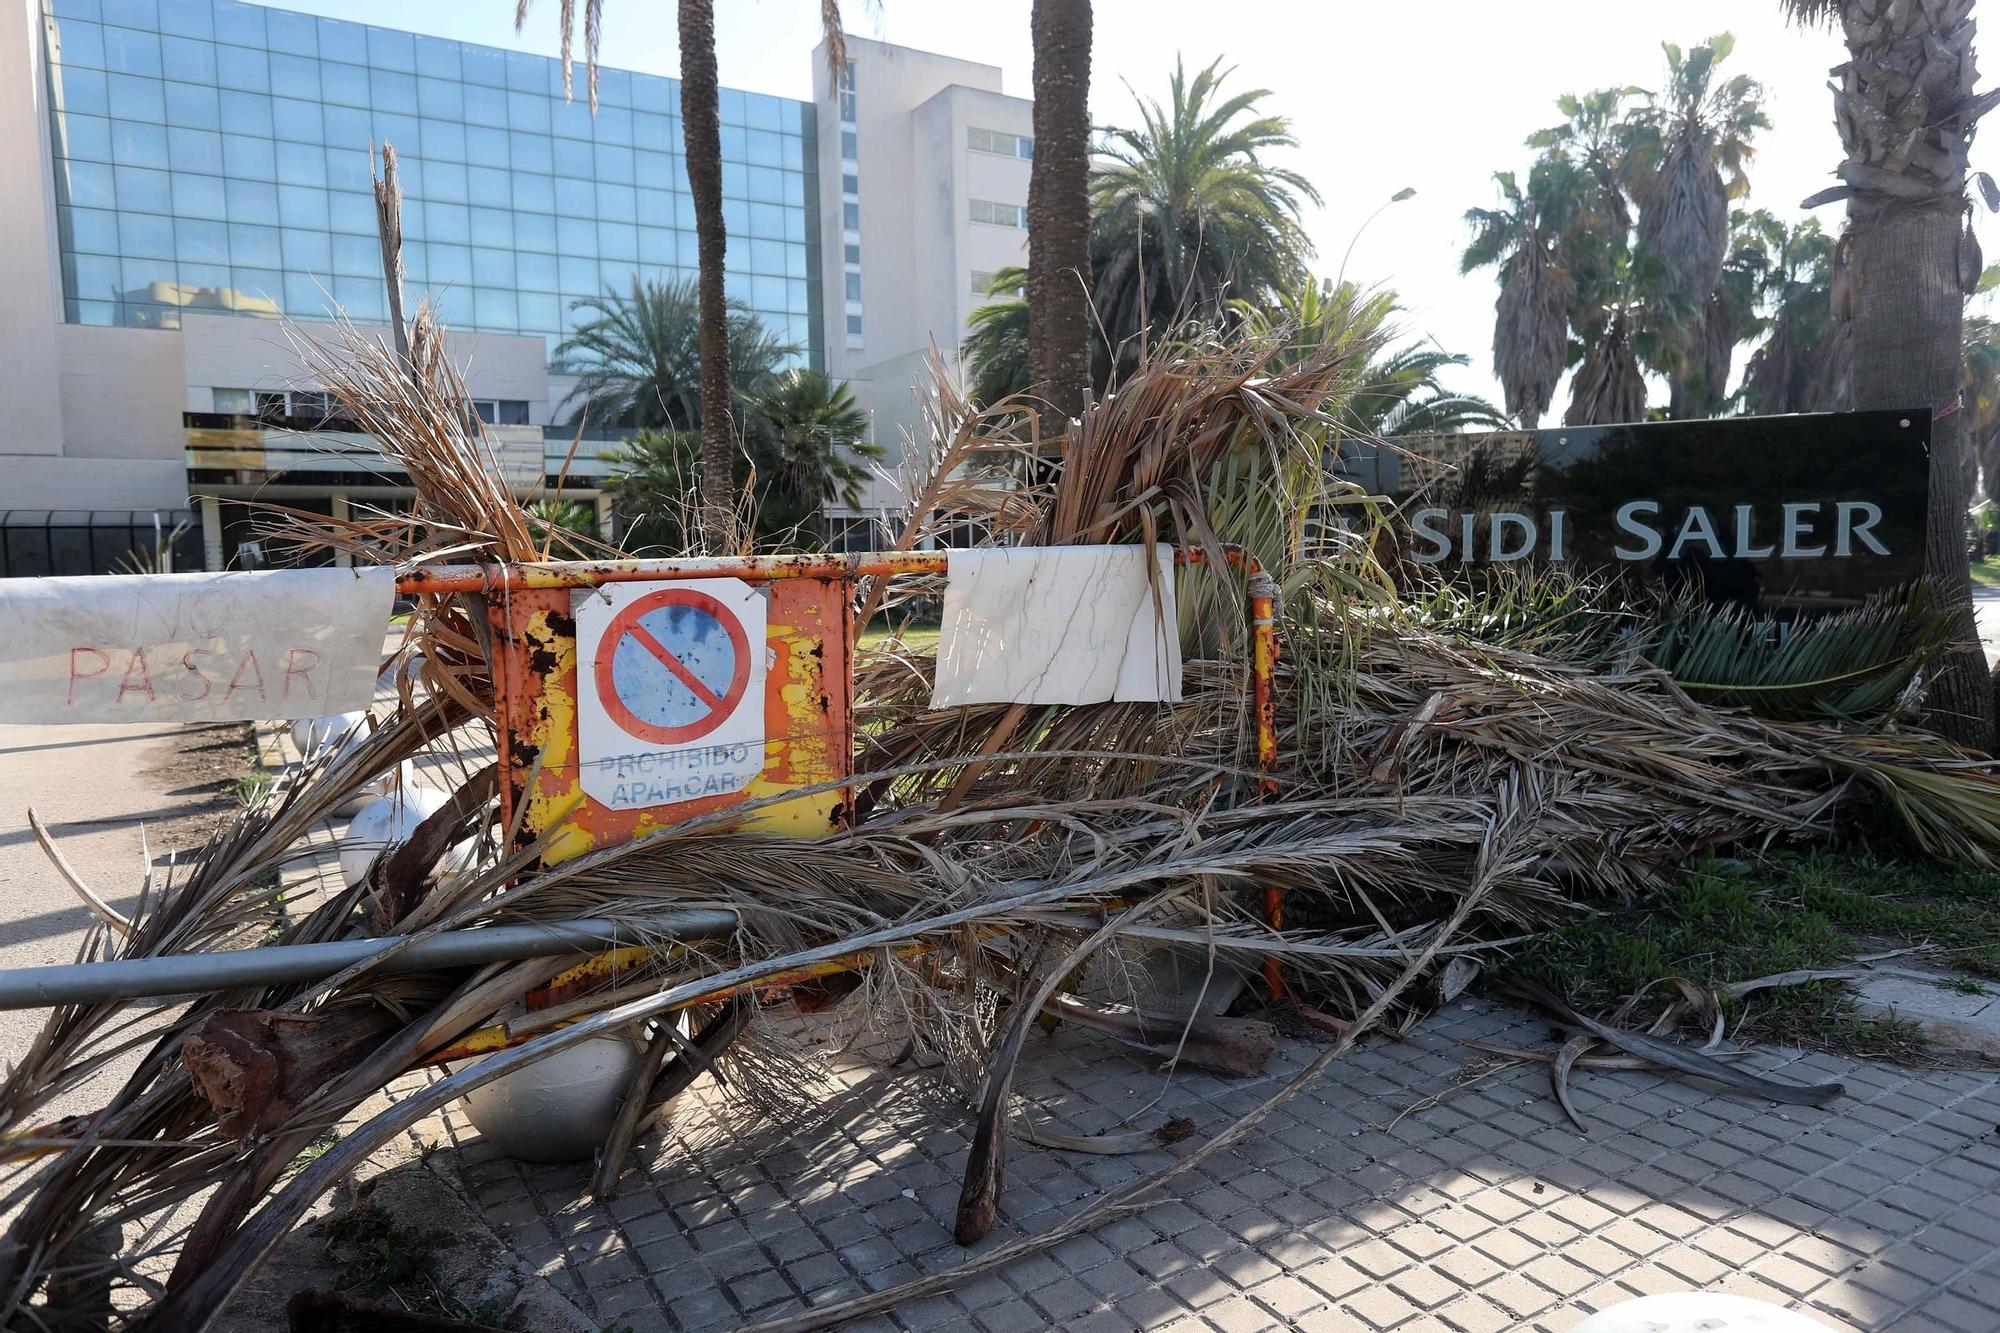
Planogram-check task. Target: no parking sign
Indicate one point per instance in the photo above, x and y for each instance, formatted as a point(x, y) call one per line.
point(670, 691)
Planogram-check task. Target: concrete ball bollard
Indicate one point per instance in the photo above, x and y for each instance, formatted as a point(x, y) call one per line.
point(558, 1109)
point(383, 823)
point(310, 735)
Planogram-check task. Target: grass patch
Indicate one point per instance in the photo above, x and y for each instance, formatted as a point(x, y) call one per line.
point(881, 634)
point(1729, 922)
point(1986, 572)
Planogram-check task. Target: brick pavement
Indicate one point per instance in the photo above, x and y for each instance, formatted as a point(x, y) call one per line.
point(1482, 1210)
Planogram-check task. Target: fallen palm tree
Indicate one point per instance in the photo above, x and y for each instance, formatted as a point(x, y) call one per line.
point(1432, 790)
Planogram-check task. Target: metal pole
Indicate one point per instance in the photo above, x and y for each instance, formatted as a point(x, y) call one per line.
point(190, 973)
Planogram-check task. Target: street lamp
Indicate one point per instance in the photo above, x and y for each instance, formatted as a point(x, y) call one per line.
point(1407, 192)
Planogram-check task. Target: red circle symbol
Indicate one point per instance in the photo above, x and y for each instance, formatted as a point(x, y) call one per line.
point(627, 624)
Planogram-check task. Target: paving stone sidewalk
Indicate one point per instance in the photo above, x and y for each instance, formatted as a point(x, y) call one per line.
point(1481, 1209)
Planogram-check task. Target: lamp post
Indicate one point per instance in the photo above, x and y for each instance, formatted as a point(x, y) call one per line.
point(1407, 192)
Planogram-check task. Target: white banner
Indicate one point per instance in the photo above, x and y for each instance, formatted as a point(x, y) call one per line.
point(1058, 625)
point(192, 647)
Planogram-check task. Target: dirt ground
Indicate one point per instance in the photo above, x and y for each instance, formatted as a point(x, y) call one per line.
point(198, 770)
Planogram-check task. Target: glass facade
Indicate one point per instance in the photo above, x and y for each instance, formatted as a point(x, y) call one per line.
point(214, 155)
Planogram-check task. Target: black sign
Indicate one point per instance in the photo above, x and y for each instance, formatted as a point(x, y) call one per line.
point(1777, 513)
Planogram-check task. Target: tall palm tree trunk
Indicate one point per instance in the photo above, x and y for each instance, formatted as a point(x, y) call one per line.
point(1059, 207)
point(701, 129)
point(1906, 111)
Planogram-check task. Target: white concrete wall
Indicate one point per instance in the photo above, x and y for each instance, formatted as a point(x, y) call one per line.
point(919, 246)
point(29, 272)
point(237, 352)
point(122, 393)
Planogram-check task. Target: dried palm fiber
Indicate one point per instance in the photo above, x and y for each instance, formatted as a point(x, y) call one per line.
point(1434, 793)
point(1684, 215)
point(1609, 387)
point(1531, 335)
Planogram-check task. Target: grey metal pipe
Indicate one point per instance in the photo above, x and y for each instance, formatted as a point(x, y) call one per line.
point(189, 973)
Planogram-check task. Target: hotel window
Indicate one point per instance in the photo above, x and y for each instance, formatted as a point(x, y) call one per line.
point(995, 141)
point(982, 282)
point(850, 216)
point(853, 253)
point(848, 147)
point(999, 215)
point(854, 325)
point(501, 411)
point(236, 402)
point(854, 286)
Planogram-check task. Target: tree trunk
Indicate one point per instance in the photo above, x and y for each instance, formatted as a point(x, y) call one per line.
point(1908, 317)
point(1059, 208)
point(1906, 111)
point(701, 131)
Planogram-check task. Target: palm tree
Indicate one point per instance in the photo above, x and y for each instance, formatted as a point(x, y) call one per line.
point(1399, 394)
point(1188, 213)
point(1789, 372)
point(639, 356)
point(1733, 313)
point(1691, 144)
point(1524, 237)
point(1906, 112)
point(995, 350)
point(806, 439)
point(1059, 274)
point(1609, 385)
point(701, 145)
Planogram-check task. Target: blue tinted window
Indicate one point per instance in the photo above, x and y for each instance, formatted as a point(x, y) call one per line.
point(138, 145)
point(528, 111)
point(81, 45)
point(246, 113)
point(307, 250)
point(130, 52)
point(618, 240)
point(201, 241)
point(199, 196)
point(766, 149)
point(84, 90)
point(489, 186)
point(252, 201)
point(576, 198)
point(539, 313)
point(305, 296)
point(393, 91)
point(246, 157)
point(614, 165)
point(536, 273)
point(524, 72)
point(447, 222)
point(96, 279)
point(240, 24)
point(485, 106)
point(730, 102)
point(486, 148)
point(492, 227)
point(650, 92)
point(437, 57)
point(190, 18)
point(86, 137)
point(444, 140)
point(346, 127)
point(535, 231)
point(761, 112)
point(147, 235)
point(735, 144)
point(614, 88)
point(359, 256)
point(256, 246)
point(301, 164)
point(297, 121)
point(576, 236)
point(492, 268)
point(295, 76)
point(390, 49)
point(575, 158)
point(398, 130)
point(361, 298)
point(448, 264)
point(441, 97)
point(578, 276)
point(137, 98)
point(93, 230)
point(340, 40)
point(131, 13)
point(347, 169)
point(346, 85)
point(614, 126)
point(655, 208)
point(656, 245)
point(301, 206)
point(444, 181)
point(617, 202)
point(248, 70)
point(350, 212)
point(195, 150)
point(534, 192)
point(531, 152)
point(483, 64)
point(90, 184)
point(296, 33)
point(493, 308)
point(194, 107)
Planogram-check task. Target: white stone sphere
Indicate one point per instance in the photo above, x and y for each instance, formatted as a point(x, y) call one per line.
point(385, 822)
point(310, 735)
point(1700, 1312)
point(558, 1109)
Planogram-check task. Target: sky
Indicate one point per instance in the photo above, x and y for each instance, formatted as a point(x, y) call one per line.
point(1435, 97)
